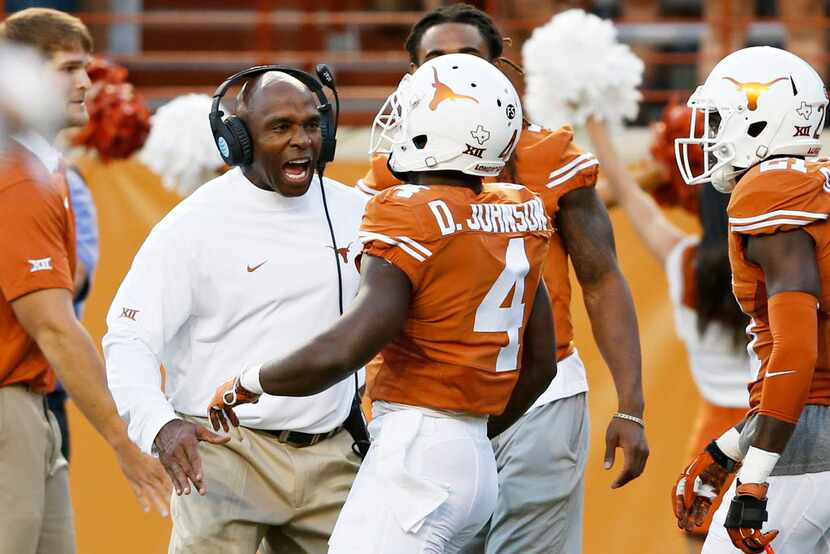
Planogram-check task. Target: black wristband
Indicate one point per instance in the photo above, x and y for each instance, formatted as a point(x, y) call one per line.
point(720, 458)
point(746, 512)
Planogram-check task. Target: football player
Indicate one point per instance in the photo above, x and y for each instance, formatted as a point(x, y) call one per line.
point(707, 318)
point(542, 460)
point(452, 297)
point(764, 111)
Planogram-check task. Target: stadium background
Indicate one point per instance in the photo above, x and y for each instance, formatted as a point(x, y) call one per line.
point(177, 46)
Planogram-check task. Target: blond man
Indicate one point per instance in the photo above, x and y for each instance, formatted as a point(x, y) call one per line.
point(40, 338)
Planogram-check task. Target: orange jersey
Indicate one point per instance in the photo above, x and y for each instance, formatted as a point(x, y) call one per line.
point(37, 241)
point(548, 163)
point(474, 262)
point(779, 195)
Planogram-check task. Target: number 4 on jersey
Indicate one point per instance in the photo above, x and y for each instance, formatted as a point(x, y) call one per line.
point(491, 317)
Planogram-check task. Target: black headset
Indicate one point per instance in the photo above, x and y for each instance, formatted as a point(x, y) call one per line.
point(232, 136)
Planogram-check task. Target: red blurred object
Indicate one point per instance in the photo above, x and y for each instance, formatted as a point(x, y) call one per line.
point(675, 124)
point(119, 119)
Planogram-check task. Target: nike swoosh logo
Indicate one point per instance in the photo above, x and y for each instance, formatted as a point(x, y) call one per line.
point(773, 374)
point(252, 269)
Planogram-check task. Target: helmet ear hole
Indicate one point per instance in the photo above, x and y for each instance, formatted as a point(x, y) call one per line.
point(420, 141)
point(756, 128)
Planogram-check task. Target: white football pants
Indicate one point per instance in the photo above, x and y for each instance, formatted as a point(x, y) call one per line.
point(798, 506)
point(428, 484)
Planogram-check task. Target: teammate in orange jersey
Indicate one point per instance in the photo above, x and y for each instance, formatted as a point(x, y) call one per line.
point(452, 297)
point(763, 111)
point(542, 460)
point(707, 317)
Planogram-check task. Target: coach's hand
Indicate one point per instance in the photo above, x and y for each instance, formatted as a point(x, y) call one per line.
point(700, 483)
point(229, 394)
point(747, 514)
point(176, 444)
point(147, 478)
point(631, 437)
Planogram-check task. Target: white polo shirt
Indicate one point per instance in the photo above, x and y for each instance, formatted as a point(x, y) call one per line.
point(232, 276)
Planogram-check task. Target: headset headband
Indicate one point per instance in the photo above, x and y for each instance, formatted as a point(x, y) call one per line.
point(301, 76)
point(232, 136)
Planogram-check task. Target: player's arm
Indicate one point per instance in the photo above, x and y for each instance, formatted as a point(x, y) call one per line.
point(586, 231)
point(538, 364)
point(657, 233)
point(791, 275)
point(376, 316)
point(793, 286)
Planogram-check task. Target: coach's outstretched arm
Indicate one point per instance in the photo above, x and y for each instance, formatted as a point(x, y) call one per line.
point(376, 316)
point(151, 305)
point(538, 364)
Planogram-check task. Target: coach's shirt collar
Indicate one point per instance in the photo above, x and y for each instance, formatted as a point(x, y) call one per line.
point(40, 147)
point(272, 199)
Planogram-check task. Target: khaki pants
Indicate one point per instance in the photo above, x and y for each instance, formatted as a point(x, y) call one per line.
point(34, 485)
point(263, 491)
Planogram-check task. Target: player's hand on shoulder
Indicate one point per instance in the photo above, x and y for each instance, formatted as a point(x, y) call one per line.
point(747, 514)
point(229, 394)
point(702, 480)
point(176, 444)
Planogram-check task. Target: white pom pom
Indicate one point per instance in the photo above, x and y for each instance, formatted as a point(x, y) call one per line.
point(30, 96)
point(575, 68)
point(180, 148)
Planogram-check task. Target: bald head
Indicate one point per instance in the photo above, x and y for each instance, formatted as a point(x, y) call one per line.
point(267, 86)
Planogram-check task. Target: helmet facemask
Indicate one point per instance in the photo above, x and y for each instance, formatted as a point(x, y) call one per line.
point(718, 151)
point(388, 127)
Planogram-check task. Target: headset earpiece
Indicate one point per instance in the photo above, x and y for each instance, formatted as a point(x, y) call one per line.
point(327, 131)
point(328, 124)
point(243, 150)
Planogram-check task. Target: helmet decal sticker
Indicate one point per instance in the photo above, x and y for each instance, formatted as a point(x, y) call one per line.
point(443, 92)
point(753, 90)
point(481, 134)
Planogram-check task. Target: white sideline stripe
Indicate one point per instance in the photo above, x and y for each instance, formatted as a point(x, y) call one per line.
point(770, 223)
point(416, 245)
point(572, 173)
point(559, 171)
point(366, 237)
point(776, 213)
point(363, 187)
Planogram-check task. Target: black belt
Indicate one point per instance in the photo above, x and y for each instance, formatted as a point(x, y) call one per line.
point(298, 439)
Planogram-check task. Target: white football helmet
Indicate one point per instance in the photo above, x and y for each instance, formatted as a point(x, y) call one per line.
point(769, 102)
point(456, 112)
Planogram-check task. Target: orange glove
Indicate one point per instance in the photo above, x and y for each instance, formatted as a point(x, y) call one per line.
point(747, 513)
point(229, 394)
point(701, 482)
